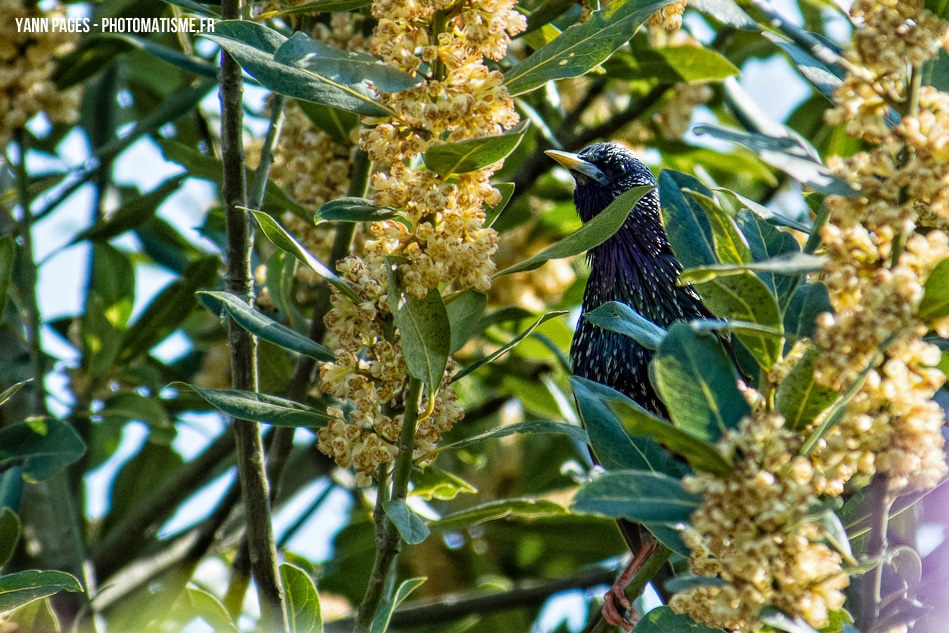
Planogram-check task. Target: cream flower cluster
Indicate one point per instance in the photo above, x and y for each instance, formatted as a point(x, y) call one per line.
point(27, 62)
point(444, 238)
point(753, 530)
point(878, 263)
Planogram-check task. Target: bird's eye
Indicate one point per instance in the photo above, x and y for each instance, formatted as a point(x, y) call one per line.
point(621, 168)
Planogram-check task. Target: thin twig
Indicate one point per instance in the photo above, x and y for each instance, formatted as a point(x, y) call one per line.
point(880, 502)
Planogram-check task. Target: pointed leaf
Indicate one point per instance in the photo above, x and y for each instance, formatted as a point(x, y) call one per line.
point(698, 383)
point(303, 602)
point(744, 297)
point(492, 214)
point(42, 447)
point(494, 510)
point(263, 326)
point(785, 264)
point(672, 64)
point(637, 421)
point(730, 245)
point(286, 242)
point(619, 317)
point(259, 407)
point(798, 399)
point(591, 234)
point(354, 210)
point(463, 156)
point(253, 45)
point(582, 47)
point(211, 610)
point(9, 392)
point(348, 69)
point(532, 427)
point(24, 587)
point(786, 154)
point(766, 242)
point(764, 213)
point(490, 358)
point(433, 483)
point(424, 327)
point(410, 526)
point(638, 496)
point(823, 77)
point(132, 214)
point(380, 624)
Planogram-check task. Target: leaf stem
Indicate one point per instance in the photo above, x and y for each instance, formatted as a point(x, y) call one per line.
point(388, 541)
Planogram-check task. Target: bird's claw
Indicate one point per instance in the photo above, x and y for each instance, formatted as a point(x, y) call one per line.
point(617, 609)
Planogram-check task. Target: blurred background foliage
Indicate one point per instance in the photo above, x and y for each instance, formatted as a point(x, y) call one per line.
point(127, 485)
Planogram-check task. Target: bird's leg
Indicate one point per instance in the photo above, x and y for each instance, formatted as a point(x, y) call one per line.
point(616, 598)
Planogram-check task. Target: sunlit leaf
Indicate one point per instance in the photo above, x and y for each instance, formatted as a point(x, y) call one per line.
point(620, 318)
point(259, 407)
point(263, 326)
point(410, 526)
point(638, 496)
point(302, 600)
point(206, 605)
point(9, 534)
point(461, 157)
point(591, 234)
point(20, 588)
point(464, 315)
point(354, 210)
point(798, 398)
point(494, 510)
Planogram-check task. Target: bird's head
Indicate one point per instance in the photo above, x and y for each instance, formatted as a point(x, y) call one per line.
point(603, 172)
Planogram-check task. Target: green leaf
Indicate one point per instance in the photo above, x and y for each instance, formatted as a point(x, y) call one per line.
point(410, 526)
point(210, 609)
point(527, 428)
point(302, 600)
point(665, 620)
point(41, 447)
point(507, 190)
point(464, 315)
point(339, 124)
point(463, 156)
point(766, 243)
point(254, 46)
point(637, 421)
point(637, 495)
point(672, 65)
point(826, 78)
point(493, 356)
point(591, 234)
point(935, 303)
point(259, 407)
point(132, 214)
point(7, 257)
point(9, 534)
point(168, 310)
point(433, 483)
point(784, 264)
point(786, 154)
point(764, 213)
point(582, 47)
point(698, 383)
point(424, 328)
point(730, 245)
point(494, 510)
point(686, 223)
point(35, 617)
point(349, 69)
point(354, 210)
point(744, 297)
point(263, 326)
point(613, 446)
point(286, 242)
point(619, 317)
point(380, 624)
point(798, 399)
point(807, 302)
point(9, 392)
point(24, 587)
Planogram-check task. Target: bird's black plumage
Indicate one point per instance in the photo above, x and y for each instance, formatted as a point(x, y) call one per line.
point(635, 266)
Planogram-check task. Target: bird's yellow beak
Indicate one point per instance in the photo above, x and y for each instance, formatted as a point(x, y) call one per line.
point(573, 163)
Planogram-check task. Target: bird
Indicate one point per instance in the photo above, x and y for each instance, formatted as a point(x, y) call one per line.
point(635, 266)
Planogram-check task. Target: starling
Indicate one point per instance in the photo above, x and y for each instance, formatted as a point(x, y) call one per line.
point(635, 266)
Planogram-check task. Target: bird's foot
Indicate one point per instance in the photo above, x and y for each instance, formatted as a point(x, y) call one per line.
point(615, 599)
